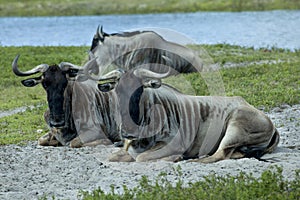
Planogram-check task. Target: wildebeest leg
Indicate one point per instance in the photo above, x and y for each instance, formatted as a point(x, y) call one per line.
point(153, 154)
point(48, 140)
point(237, 154)
point(173, 158)
point(249, 133)
point(230, 141)
point(168, 152)
point(77, 142)
point(121, 156)
point(171, 151)
point(98, 142)
point(158, 155)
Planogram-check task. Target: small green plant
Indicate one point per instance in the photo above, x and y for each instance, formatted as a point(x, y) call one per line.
point(270, 185)
point(24, 126)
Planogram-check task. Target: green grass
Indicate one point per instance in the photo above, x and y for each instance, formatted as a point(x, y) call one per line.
point(270, 185)
point(101, 7)
point(265, 85)
point(22, 127)
point(261, 85)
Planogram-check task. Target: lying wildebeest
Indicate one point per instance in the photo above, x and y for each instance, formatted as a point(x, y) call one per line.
point(130, 49)
point(162, 123)
point(79, 114)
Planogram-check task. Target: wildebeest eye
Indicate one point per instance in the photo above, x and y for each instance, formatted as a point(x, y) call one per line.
point(72, 72)
point(106, 87)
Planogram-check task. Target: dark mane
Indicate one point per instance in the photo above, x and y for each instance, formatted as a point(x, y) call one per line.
point(128, 34)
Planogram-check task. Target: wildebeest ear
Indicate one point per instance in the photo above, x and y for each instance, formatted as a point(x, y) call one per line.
point(152, 83)
point(31, 82)
point(106, 87)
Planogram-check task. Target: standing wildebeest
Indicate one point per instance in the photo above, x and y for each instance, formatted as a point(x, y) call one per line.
point(79, 114)
point(131, 49)
point(162, 123)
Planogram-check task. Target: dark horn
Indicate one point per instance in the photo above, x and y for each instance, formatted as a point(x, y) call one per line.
point(65, 66)
point(113, 75)
point(142, 73)
point(37, 69)
point(101, 29)
point(97, 32)
point(100, 33)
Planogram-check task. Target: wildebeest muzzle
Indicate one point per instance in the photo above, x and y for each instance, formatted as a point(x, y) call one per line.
point(57, 121)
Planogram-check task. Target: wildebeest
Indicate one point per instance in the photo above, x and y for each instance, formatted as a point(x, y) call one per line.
point(130, 49)
point(162, 123)
point(79, 114)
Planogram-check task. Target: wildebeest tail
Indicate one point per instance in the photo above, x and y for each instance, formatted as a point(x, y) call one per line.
point(252, 152)
point(273, 143)
point(257, 152)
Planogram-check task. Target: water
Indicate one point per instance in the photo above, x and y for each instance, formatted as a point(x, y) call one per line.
point(257, 29)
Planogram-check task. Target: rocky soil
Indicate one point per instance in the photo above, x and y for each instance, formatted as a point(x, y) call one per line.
point(32, 171)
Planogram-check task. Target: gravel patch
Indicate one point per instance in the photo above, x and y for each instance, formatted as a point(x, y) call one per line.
point(32, 171)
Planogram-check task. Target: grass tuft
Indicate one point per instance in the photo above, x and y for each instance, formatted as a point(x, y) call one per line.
point(270, 185)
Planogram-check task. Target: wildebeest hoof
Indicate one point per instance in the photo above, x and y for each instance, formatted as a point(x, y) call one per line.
point(173, 158)
point(121, 156)
point(205, 160)
point(208, 160)
point(48, 140)
point(98, 142)
point(76, 143)
point(143, 158)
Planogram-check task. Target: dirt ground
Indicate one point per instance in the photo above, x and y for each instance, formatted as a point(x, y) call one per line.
point(32, 171)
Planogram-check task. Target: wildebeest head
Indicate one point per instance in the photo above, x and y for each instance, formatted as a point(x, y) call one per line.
point(98, 37)
point(129, 87)
point(54, 80)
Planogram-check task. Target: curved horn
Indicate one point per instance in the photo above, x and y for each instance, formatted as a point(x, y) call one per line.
point(141, 73)
point(115, 74)
point(65, 66)
point(40, 68)
point(100, 33)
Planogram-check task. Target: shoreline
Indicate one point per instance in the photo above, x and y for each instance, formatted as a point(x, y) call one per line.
point(102, 7)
